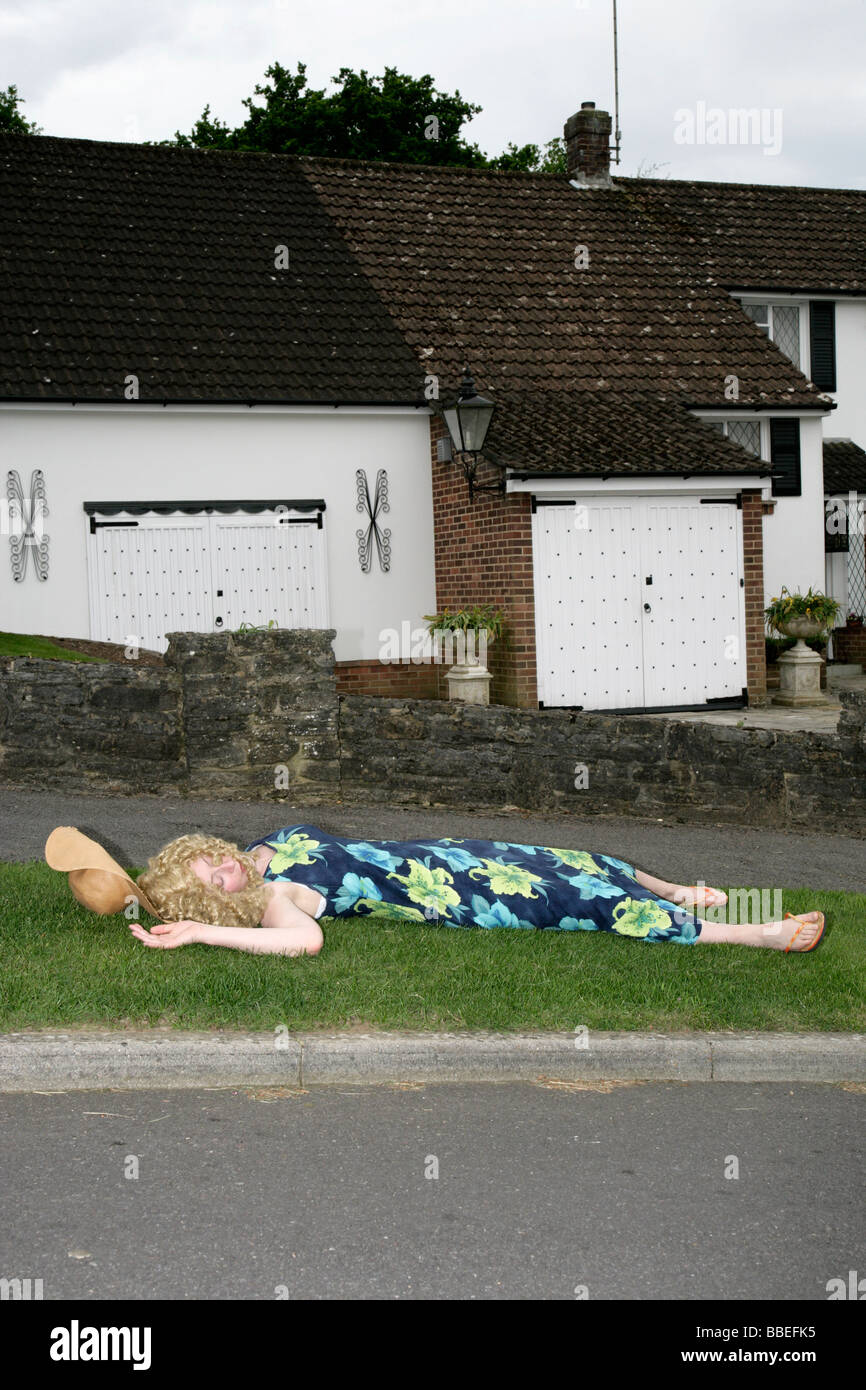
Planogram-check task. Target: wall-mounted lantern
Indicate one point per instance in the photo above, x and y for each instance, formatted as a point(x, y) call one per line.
point(468, 422)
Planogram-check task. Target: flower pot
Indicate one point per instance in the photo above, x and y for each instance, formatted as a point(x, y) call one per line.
point(801, 628)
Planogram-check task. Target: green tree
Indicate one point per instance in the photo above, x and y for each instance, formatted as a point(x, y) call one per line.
point(529, 159)
point(393, 118)
point(11, 120)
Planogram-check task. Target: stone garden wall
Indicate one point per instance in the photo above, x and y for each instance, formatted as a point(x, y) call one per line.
point(256, 716)
point(427, 752)
point(106, 726)
point(229, 715)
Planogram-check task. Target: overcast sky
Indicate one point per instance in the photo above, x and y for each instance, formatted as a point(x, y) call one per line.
point(110, 70)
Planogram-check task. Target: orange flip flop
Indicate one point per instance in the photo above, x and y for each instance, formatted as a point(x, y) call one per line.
point(818, 938)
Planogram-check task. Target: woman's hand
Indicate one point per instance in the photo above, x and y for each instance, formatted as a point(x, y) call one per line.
point(168, 933)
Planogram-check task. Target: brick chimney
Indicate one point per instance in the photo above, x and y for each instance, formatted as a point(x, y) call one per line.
point(587, 146)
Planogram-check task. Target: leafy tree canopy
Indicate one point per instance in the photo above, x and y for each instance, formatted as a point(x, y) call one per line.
point(12, 121)
point(394, 118)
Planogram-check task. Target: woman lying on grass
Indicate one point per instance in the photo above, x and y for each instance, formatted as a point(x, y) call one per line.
point(213, 892)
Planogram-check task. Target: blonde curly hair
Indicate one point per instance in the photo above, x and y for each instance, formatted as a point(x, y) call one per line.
point(175, 889)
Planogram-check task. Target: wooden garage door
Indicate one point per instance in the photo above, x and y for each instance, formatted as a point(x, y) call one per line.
point(639, 602)
point(153, 574)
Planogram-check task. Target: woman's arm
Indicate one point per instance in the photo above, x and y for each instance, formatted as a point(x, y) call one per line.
point(291, 932)
point(296, 939)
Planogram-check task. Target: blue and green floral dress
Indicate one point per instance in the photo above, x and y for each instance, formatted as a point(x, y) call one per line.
point(475, 883)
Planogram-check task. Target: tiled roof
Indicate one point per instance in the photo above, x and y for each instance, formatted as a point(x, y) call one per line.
point(759, 236)
point(607, 433)
point(844, 467)
point(482, 265)
point(159, 261)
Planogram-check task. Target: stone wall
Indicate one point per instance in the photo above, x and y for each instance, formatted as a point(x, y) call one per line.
point(435, 753)
point(82, 725)
point(256, 716)
point(248, 715)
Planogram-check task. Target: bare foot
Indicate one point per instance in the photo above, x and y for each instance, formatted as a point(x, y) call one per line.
point(791, 932)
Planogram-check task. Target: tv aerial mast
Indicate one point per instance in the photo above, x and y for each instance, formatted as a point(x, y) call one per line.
point(617, 133)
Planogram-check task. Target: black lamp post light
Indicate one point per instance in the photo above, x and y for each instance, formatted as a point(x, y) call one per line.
point(468, 422)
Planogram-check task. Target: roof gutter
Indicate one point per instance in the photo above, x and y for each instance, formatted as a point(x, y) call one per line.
point(797, 290)
point(198, 400)
point(730, 407)
point(764, 472)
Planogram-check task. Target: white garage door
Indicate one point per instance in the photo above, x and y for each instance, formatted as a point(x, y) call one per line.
point(639, 602)
point(150, 574)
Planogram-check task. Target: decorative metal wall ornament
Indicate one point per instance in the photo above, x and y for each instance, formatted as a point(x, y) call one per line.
point(373, 532)
point(26, 516)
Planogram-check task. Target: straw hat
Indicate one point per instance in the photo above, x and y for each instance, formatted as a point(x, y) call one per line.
point(96, 880)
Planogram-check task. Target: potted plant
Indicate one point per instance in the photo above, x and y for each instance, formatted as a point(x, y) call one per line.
point(855, 620)
point(801, 616)
point(465, 635)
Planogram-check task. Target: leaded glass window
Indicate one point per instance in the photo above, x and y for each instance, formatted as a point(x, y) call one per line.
point(746, 433)
point(785, 330)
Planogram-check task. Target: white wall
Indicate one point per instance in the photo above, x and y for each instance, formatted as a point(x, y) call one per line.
point(848, 420)
point(794, 533)
point(155, 454)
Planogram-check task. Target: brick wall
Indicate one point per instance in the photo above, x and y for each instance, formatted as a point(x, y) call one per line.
point(753, 574)
point(484, 555)
point(400, 679)
point(849, 645)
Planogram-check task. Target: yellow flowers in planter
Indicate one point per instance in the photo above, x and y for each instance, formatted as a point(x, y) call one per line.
point(815, 606)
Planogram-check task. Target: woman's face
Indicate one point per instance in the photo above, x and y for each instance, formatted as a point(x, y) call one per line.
point(229, 875)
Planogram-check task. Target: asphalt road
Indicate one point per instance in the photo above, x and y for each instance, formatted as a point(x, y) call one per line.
point(540, 1192)
point(133, 828)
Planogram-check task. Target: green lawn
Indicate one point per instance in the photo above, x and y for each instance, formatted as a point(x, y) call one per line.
point(16, 644)
point(61, 966)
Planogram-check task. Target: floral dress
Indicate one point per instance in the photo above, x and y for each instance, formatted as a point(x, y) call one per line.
point(475, 883)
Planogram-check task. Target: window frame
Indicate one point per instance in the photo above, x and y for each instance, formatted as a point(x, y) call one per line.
point(783, 301)
point(763, 428)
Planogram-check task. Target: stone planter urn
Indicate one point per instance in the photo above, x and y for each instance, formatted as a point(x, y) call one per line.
point(800, 668)
point(469, 679)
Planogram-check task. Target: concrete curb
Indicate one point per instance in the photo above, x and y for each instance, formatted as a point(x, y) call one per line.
point(167, 1059)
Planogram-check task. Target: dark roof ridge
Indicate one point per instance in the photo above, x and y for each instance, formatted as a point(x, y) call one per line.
point(731, 183)
point(343, 161)
point(301, 159)
point(431, 168)
point(7, 137)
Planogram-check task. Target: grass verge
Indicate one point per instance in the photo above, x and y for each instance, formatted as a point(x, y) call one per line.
point(17, 644)
point(61, 966)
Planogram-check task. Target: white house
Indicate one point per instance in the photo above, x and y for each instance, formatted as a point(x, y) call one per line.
point(225, 375)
